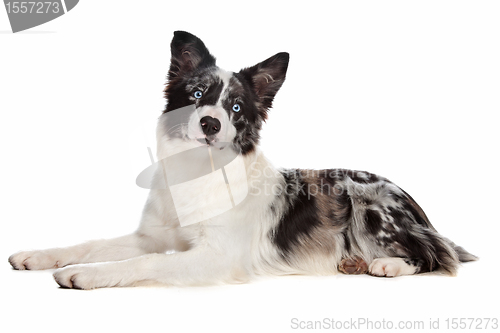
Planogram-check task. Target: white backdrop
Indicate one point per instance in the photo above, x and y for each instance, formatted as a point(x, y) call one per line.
point(407, 90)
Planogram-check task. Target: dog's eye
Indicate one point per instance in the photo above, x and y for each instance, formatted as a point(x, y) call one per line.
point(236, 108)
point(198, 94)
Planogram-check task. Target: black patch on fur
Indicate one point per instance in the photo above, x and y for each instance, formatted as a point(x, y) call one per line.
point(397, 215)
point(417, 263)
point(347, 241)
point(212, 94)
point(301, 217)
point(373, 221)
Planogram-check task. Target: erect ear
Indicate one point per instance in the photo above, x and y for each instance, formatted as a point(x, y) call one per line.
point(267, 77)
point(188, 54)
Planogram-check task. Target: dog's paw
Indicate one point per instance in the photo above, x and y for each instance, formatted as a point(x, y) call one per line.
point(86, 276)
point(390, 267)
point(354, 265)
point(33, 260)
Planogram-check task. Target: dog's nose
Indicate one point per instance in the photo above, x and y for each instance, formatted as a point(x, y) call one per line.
point(209, 125)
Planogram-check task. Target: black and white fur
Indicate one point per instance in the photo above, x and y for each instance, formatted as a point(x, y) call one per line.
point(292, 221)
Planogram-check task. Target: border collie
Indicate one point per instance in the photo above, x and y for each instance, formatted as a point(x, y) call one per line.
point(278, 221)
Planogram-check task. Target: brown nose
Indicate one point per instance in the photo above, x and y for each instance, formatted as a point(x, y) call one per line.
point(209, 125)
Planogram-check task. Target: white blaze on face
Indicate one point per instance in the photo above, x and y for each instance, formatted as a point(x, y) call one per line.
point(228, 131)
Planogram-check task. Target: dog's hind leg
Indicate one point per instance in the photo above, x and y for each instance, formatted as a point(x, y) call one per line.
point(353, 265)
point(392, 267)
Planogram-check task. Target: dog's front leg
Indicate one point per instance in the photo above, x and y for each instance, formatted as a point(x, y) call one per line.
point(193, 267)
point(120, 248)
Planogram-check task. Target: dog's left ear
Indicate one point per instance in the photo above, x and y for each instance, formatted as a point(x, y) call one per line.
point(188, 53)
point(267, 77)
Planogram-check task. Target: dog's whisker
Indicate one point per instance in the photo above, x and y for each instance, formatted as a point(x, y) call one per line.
point(176, 127)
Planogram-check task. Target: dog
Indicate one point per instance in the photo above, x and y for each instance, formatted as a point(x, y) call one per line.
point(280, 221)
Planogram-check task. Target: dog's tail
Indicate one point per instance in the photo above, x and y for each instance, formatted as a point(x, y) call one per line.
point(463, 255)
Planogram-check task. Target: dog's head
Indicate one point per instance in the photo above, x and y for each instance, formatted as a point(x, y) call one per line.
point(227, 107)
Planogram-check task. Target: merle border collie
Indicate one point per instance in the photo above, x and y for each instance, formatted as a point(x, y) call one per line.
point(317, 222)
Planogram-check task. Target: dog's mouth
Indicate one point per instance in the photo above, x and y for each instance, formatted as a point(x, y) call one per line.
point(207, 140)
point(211, 141)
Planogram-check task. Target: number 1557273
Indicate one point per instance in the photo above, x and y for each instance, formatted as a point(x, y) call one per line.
point(32, 7)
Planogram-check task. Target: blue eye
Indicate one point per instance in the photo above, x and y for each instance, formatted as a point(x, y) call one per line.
point(198, 94)
point(236, 108)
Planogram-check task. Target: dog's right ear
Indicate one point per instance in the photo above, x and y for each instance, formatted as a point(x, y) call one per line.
point(267, 77)
point(188, 54)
